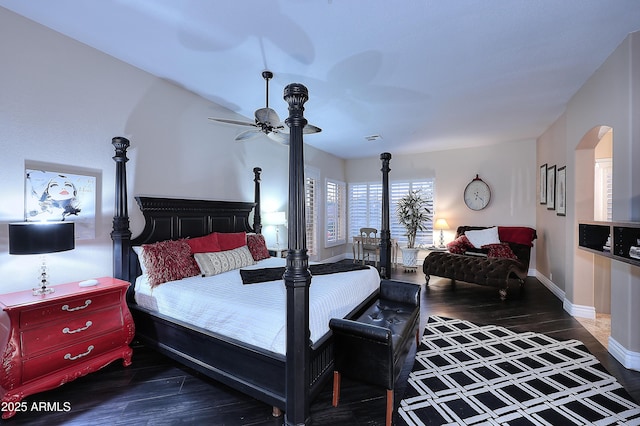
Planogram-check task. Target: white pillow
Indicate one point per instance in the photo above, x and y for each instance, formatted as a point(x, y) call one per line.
point(482, 237)
point(223, 261)
point(139, 250)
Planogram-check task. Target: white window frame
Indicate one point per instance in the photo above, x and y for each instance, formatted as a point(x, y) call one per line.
point(335, 213)
point(311, 179)
point(365, 208)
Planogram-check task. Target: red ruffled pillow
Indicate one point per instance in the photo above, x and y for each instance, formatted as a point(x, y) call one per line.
point(231, 240)
point(460, 245)
point(169, 261)
point(206, 244)
point(257, 246)
point(500, 250)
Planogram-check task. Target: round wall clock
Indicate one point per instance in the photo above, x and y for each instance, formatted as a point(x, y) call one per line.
point(477, 194)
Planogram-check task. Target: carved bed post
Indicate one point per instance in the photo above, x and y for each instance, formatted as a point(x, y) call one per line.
point(297, 277)
point(121, 235)
point(257, 218)
point(385, 232)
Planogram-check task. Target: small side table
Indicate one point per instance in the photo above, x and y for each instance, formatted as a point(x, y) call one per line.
point(278, 252)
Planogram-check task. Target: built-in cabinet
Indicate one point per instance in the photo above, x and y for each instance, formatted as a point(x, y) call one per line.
point(616, 240)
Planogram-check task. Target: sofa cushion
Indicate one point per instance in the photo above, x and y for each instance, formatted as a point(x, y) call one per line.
point(483, 237)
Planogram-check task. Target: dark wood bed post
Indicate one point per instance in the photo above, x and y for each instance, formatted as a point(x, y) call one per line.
point(297, 277)
point(385, 232)
point(121, 235)
point(257, 218)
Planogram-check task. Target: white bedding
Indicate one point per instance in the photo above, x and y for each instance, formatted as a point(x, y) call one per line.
point(255, 313)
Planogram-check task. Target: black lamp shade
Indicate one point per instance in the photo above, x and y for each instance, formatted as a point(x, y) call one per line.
point(41, 237)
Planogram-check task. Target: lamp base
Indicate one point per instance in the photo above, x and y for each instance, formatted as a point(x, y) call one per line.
point(441, 239)
point(40, 291)
point(43, 289)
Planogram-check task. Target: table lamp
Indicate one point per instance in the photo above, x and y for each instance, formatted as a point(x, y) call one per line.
point(275, 219)
point(41, 238)
point(441, 224)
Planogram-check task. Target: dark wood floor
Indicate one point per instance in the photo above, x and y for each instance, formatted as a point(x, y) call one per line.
point(157, 391)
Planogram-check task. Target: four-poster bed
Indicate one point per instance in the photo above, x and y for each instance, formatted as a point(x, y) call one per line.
point(286, 381)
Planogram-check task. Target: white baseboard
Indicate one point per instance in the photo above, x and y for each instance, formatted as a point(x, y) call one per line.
point(559, 293)
point(627, 358)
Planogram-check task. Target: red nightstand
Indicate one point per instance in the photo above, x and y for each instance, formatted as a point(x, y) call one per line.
point(52, 339)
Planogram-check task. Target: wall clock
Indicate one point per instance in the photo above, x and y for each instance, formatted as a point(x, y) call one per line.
point(477, 194)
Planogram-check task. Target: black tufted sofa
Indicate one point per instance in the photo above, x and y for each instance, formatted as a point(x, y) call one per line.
point(372, 348)
point(489, 271)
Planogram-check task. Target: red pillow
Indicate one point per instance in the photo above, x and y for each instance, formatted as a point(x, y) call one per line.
point(231, 240)
point(169, 261)
point(459, 245)
point(257, 246)
point(206, 244)
point(500, 250)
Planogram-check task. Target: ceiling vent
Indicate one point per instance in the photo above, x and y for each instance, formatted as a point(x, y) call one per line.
point(372, 138)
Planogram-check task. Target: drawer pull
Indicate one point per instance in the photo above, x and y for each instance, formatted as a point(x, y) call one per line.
point(67, 331)
point(73, 358)
point(77, 308)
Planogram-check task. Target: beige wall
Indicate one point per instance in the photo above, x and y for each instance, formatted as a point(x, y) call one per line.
point(62, 102)
point(610, 97)
point(509, 170)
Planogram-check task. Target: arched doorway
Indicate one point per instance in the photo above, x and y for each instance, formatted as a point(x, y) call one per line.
point(594, 172)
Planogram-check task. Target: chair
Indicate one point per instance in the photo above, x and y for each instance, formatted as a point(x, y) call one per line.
point(369, 243)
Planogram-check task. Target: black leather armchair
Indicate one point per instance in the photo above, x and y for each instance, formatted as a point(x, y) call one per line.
point(373, 347)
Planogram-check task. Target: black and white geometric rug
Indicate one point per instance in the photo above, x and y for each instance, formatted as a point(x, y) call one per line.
point(468, 374)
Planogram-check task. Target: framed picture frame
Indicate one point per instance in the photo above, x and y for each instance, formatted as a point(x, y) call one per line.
point(54, 193)
point(551, 188)
point(561, 191)
point(543, 184)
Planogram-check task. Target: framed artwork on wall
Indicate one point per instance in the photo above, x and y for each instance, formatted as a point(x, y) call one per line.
point(543, 184)
point(551, 188)
point(53, 194)
point(561, 191)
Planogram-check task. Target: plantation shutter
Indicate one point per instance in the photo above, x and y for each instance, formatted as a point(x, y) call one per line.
point(335, 205)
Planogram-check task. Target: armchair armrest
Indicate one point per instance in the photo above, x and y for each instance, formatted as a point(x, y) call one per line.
point(401, 292)
point(359, 329)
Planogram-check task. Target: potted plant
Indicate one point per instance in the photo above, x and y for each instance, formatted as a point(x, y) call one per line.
point(413, 214)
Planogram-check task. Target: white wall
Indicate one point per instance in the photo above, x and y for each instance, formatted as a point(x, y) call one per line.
point(509, 170)
point(610, 97)
point(62, 103)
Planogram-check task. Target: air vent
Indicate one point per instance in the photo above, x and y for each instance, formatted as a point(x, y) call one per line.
point(372, 138)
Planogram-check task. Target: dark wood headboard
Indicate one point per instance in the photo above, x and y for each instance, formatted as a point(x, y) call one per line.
point(172, 218)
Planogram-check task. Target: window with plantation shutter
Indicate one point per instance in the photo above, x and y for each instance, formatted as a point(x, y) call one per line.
point(365, 208)
point(335, 217)
point(311, 211)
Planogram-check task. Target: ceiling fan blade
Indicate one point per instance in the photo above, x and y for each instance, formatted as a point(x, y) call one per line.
point(248, 134)
point(309, 128)
point(279, 137)
point(267, 116)
point(234, 122)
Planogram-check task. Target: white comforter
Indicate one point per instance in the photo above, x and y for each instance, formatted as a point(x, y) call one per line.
point(255, 313)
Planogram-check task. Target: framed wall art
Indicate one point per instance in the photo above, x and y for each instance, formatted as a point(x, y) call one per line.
point(56, 195)
point(551, 188)
point(543, 184)
point(561, 191)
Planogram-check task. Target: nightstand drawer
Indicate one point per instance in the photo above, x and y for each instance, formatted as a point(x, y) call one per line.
point(69, 356)
point(68, 308)
point(73, 329)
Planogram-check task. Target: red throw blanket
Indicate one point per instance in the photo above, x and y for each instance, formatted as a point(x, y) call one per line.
point(517, 234)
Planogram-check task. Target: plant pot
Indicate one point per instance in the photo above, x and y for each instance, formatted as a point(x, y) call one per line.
point(409, 256)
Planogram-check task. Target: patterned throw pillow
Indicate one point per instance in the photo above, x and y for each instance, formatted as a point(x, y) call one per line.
point(223, 261)
point(459, 245)
point(168, 261)
point(257, 246)
point(500, 250)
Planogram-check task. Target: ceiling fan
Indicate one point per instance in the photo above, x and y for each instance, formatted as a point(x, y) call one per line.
point(266, 121)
